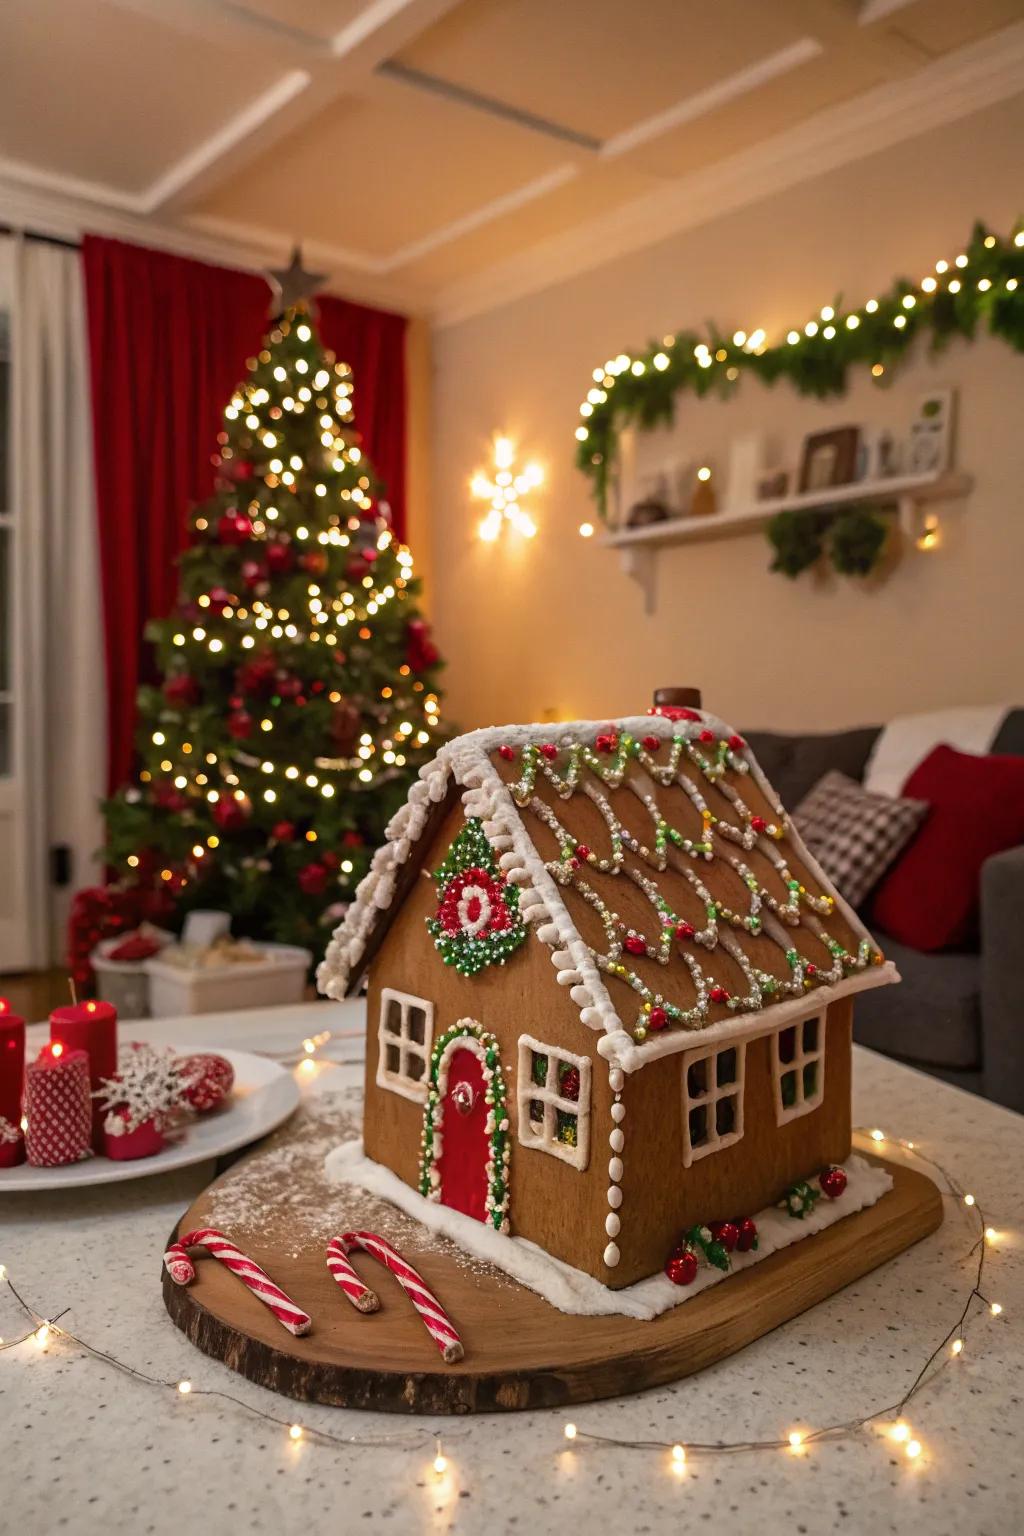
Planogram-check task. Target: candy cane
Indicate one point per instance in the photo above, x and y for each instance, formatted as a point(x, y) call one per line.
point(181, 1270)
point(434, 1317)
point(360, 1295)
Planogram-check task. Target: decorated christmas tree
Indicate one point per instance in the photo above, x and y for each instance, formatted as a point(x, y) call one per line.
point(299, 691)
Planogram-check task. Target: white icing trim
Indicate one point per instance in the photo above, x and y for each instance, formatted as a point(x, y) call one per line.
point(527, 1090)
point(467, 758)
point(400, 1081)
point(801, 1105)
point(708, 1100)
point(573, 1291)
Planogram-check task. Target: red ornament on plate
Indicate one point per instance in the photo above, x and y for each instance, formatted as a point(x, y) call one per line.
point(124, 1146)
point(832, 1181)
point(682, 1266)
point(207, 1080)
point(657, 1018)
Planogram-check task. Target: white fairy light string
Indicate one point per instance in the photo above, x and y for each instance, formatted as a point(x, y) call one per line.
point(794, 1442)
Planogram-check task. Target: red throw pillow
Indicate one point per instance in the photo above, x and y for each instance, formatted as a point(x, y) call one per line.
point(930, 898)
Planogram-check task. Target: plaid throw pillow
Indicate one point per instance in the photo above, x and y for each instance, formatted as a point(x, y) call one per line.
point(855, 835)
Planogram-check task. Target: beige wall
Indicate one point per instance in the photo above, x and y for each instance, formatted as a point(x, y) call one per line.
point(555, 629)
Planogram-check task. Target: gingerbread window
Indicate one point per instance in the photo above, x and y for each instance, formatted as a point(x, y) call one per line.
point(553, 1092)
point(712, 1100)
point(798, 1066)
point(405, 1037)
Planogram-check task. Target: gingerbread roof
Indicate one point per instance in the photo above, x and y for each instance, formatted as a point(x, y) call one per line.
point(654, 861)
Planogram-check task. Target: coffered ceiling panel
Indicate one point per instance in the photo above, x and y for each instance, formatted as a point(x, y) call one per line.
point(109, 94)
point(384, 169)
point(601, 67)
point(320, 19)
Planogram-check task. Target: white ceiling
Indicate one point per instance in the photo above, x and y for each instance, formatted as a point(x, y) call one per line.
point(444, 155)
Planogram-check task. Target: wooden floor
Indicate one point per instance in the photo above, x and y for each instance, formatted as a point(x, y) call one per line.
point(34, 994)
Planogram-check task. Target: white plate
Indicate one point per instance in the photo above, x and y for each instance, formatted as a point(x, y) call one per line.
point(264, 1095)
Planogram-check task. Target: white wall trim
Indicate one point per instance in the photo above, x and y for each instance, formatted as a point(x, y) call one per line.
point(714, 96)
point(953, 87)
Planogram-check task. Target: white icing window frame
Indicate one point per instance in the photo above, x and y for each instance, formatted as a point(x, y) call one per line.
point(715, 1140)
point(400, 1082)
point(546, 1139)
point(802, 1104)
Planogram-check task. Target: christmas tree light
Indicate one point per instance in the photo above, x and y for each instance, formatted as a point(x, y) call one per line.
point(299, 694)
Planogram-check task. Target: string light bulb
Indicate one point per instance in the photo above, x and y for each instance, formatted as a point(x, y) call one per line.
point(295, 1432)
point(586, 530)
point(570, 1431)
point(900, 1432)
point(679, 1455)
point(958, 1347)
point(996, 1309)
point(795, 1438)
point(184, 1387)
point(913, 1449)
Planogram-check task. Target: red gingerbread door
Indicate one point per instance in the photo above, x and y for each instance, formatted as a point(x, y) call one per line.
point(462, 1162)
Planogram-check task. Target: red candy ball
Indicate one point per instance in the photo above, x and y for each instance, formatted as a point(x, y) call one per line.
point(606, 742)
point(508, 753)
point(549, 750)
point(758, 823)
point(747, 1238)
point(706, 736)
point(582, 851)
point(718, 995)
point(652, 743)
point(634, 945)
point(657, 1018)
point(727, 1233)
point(684, 930)
point(207, 1080)
point(736, 743)
point(833, 1182)
point(682, 1266)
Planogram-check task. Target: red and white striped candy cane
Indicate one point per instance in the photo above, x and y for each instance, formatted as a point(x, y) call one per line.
point(434, 1317)
point(360, 1295)
point(181, 1270)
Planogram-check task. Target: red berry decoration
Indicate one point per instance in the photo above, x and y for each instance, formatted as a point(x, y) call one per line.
point(718, 995)
point(706, 736)
point(234, 528)
point(684, 930)
point(810, 969)
point(727, 1233)
point(747, 1238)
point(279, 557)
point(181, 690)
point(549, 750)
point(757, 823)
point(736, 743)
point(832, 1181)
point(607, 741)
point(634, 945)
point(682, 1266)
point(240, 725)
point(313, 879)
point(652, 743)
point(283, 831)
point(582, 851)
point(508, 753)
point(657, 1018)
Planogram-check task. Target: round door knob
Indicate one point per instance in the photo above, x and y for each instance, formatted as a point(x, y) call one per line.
point(463, 1097)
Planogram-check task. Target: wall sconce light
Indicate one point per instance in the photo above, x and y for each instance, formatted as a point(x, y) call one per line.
point(503, 489)
point(930, 536)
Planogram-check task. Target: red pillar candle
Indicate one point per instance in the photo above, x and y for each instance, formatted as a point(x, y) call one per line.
point(58, 1107)
point(12, 1076)
point(90, 1027)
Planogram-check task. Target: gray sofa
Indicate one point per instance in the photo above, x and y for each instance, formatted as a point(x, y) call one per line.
point(959, 1014)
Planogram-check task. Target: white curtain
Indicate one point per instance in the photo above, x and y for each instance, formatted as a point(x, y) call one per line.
point(60, 612)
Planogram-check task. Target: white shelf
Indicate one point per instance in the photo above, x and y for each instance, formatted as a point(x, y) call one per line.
point(906, 493)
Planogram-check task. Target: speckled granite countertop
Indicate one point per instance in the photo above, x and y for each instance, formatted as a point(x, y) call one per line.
point(87, 1450)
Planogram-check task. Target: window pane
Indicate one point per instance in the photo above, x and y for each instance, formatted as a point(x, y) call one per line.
point(726, 1068)
point(810, 1035)
point(414, 1066)
point(698, 1125)
point(788, 1085)
point(393, 1016)
point(5, 741)
point(540, 1069)
point(392, 1060)
point(725, 1116)
point(567, 1127)
point(810, 1079)
point(536, 1111)
point(697, 1078)
point(417, 1025)
point(6, 600)
point(5, 411)
point(787, 1044)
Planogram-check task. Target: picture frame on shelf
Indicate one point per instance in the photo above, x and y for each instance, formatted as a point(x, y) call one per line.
point(930, 441)
point(880, 454)
point(829, 459)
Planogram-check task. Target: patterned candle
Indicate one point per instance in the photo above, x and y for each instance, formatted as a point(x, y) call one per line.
point(12, 1074)
point(90, 1027)
point(58, 1107)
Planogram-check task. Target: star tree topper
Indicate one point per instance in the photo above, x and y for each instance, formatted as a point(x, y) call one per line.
point(292, 285)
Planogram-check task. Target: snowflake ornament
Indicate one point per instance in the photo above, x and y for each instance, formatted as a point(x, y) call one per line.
point(148, 1086)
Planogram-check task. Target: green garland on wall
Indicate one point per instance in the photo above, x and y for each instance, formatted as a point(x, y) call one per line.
point(981, 288)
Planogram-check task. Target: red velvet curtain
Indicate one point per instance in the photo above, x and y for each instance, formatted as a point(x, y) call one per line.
point(168, 339)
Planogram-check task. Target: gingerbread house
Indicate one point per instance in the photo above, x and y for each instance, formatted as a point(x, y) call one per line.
point(610, 993)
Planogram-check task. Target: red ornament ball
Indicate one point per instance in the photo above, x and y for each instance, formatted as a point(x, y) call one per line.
point(207, 1080)
point(633, 944)
point(230, 814)
point(314, 561)
point(234, 528)
point(832, 1181)
point(810, 969)
point(684, 930)
point(657, 1018)
point(582, 851)
point(652, 743)
point(606, 742)
point(279, 557)
point(706, 736)
point(727, 1233)
point(549, 750)
point(736, 743)
point(313, 879)
point(240, 725)
point(718, 995)
point(682, 1266)
point(747, 1238)
point(757, 823)
point(508, 753)
point(283, 831)
point(181, 690)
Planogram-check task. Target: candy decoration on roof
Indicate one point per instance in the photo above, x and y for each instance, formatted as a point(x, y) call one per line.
point(477, 921)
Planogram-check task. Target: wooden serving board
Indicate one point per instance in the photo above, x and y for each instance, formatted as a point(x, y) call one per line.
point(520, 1351)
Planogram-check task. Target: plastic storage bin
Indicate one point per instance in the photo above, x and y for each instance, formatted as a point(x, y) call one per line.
point(178, 989)
point(125, 982)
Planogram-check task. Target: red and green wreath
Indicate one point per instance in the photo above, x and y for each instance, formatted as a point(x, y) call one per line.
point(477, 921)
